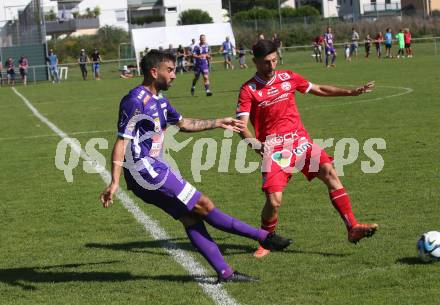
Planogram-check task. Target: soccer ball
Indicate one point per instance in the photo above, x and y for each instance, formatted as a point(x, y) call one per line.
point(428, 247)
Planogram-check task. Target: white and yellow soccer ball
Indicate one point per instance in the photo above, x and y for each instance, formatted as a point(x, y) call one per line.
point(428, 246)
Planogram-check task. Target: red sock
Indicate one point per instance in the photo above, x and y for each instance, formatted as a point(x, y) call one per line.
point(269, 225)
point(341, 202)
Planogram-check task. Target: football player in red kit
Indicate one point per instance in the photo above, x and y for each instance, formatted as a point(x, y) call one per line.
point(268, 101)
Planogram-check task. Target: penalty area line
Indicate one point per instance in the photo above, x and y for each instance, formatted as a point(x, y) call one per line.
point(216, 292)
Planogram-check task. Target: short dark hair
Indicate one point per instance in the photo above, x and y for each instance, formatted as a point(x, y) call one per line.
point(154, 58)
point(263, 48)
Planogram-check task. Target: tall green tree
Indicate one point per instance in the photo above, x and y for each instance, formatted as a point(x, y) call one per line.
point(194, 16)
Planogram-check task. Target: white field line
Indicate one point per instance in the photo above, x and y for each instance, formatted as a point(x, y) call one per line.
point(217, 292)
point(56, 135)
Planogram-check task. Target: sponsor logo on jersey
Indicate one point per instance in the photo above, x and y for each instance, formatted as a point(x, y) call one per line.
point(284, 76)
point(272, 91)
point(286, 86)
point(282, 158)
point(302, 148)
point(141, 94)
point(187, 193)
point(157, 125)
point(260, 93)
point(283, 97)
point(276, 140)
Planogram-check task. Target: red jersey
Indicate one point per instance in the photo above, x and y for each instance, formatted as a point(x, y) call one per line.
point(319, 40)
point(271, 106)
point(407, 37)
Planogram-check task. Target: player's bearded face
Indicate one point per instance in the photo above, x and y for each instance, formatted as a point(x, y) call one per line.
point(165, 75)
point(266, 65)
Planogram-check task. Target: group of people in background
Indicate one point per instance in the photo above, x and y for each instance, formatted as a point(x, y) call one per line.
point(403, 39)
point(52, 63)
point(95, 61)
point(9, 67)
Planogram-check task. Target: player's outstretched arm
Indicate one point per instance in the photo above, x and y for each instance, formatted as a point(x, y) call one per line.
point(106, 197)
point(191, 125)
point(327, 90)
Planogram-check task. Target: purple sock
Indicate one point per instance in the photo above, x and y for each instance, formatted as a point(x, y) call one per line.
point(202, 241)
point(206, 87)
point(224, 222)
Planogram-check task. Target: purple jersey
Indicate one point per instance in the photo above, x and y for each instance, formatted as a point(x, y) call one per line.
point(328, 37)
point(199, 50)
point(227, 47)
point(143, 118)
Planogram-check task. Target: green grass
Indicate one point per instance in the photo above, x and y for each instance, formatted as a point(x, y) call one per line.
point(58, 246)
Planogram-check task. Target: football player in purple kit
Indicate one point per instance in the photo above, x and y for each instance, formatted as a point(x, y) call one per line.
point(201, 55)
point(329, 47)
point(143, 118)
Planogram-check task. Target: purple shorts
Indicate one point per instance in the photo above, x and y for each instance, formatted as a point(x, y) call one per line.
point(330, 50)
point(175, 195)
point(201, 68)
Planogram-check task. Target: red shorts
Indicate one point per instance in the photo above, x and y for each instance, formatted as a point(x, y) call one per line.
point(280, 162)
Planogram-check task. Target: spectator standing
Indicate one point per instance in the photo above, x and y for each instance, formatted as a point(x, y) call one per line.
point(368, 42)
point(407, 39)
point(23, 66)
point(378, 40)
point(83, 60)
point(191, 52)
point(401, 41)
point(96, 61)
point(180, 59)
point(279, 44)
point(227, 49)
point(354, 43)
point(388, 43)
point(347, 51)
point(172, 50)
point(242, 56)
point(10, 71)
point(52, 59)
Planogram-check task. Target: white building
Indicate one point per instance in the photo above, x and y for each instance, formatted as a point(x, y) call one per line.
point(329, 8)
point(357, 9)
point(113, 12)
point(9, 8)
point(173, 8)
point(167, 12)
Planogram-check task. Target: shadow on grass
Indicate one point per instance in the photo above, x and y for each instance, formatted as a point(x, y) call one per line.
point(411, 260)
point(151, 246)
point(26, 277)
point(227, 249)
point(324, 254)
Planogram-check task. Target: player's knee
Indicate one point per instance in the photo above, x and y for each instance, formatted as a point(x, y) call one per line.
point(203, 206)
point(327, 172)
point(274, 201)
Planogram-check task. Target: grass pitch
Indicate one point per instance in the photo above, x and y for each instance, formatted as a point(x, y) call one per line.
point(59, 246)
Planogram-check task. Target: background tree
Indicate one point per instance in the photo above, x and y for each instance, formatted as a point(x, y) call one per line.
point(194, 17)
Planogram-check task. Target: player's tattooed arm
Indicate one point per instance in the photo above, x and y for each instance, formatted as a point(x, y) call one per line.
point(327, 90)
point(190, 125)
